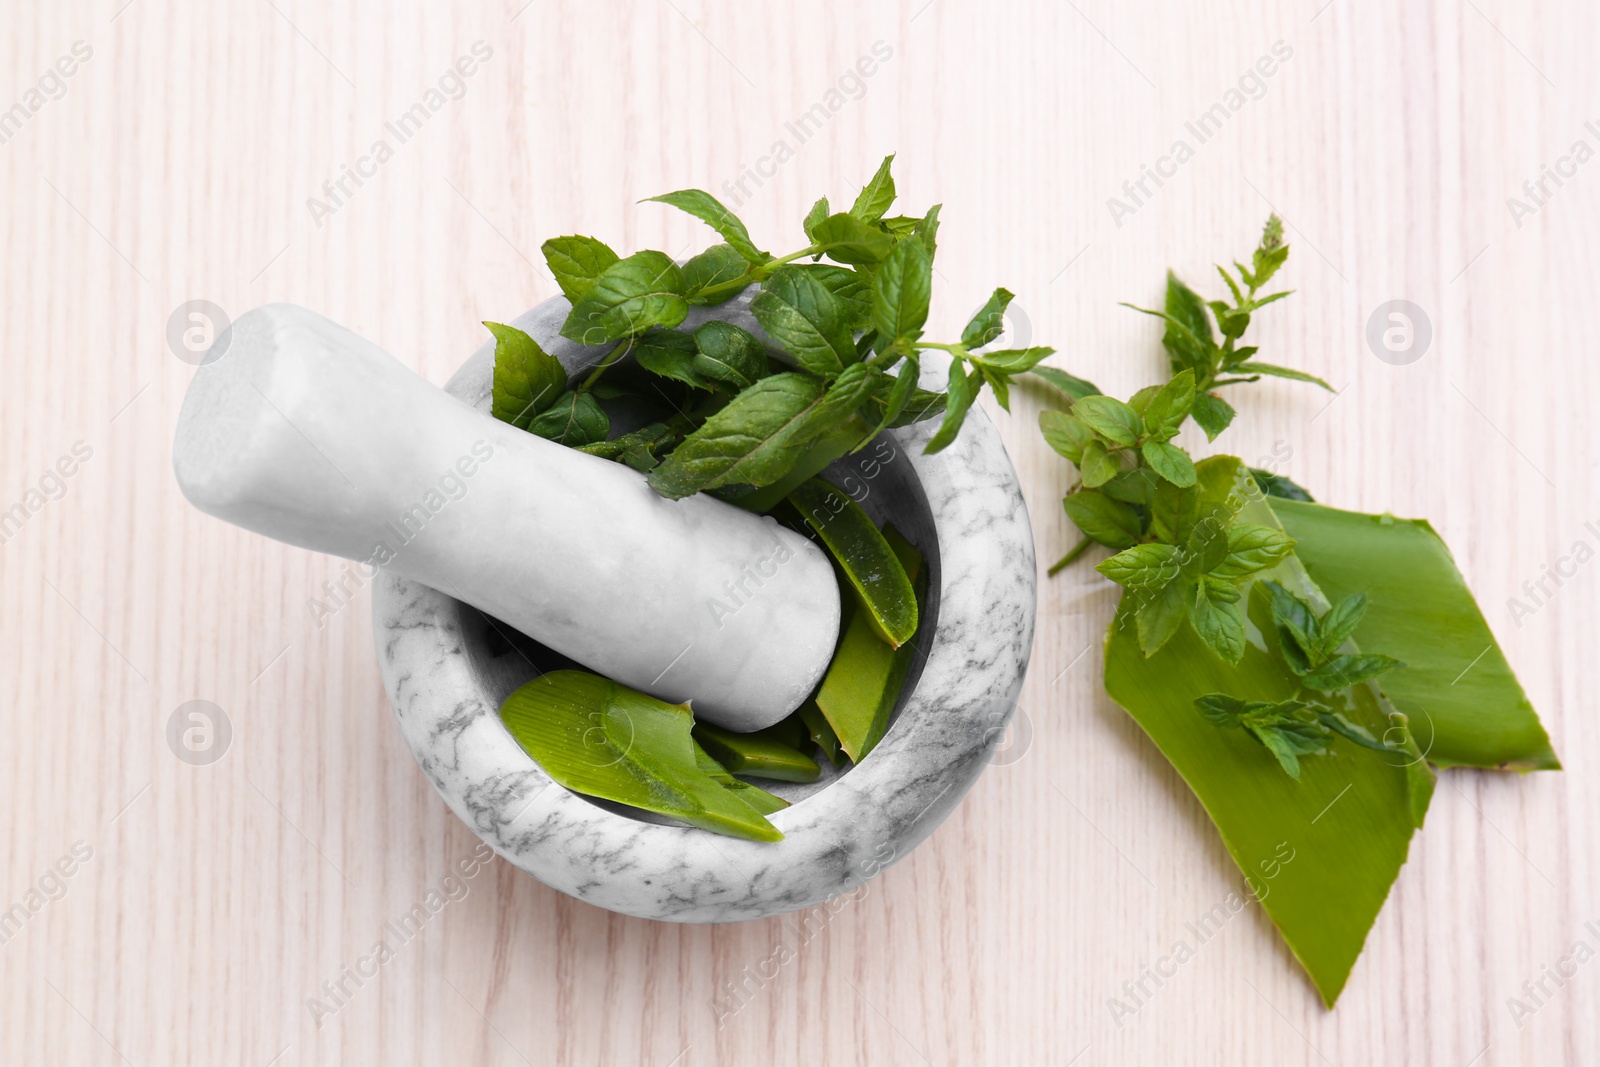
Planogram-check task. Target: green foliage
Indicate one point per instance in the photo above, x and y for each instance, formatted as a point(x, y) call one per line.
point(849, 331)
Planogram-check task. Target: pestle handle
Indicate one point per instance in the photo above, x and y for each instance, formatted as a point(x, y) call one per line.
point(307, 433)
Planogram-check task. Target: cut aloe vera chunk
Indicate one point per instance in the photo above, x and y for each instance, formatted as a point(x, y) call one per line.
point(863, 683)
point(1322, 852)
point(821, 732)
point(754, 795)
point(605, 740)
point(761, 754)
point(1466, 706)
point(876, 574)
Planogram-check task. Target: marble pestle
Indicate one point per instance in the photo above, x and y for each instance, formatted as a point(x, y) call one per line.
point(305, 432)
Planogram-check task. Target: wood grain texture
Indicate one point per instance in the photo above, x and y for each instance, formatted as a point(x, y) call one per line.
point(220, 898)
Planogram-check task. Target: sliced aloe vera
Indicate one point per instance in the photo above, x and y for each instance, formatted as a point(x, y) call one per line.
point(863, 684)
point(1466, 706)
point(821, 732)
point(762, 754)
point(605, 740)
point(871, 566)
point(1320, 852)
point(754, 795)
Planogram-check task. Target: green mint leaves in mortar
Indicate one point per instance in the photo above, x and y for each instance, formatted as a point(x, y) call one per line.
point(738, 419)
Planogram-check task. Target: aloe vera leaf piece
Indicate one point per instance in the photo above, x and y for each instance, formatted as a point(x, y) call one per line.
point(1347, 823)
point(1466, 706)
point(758, 798)
point(605, 740)
point(821, 732)
point(875, 573)
point(863, 682)
point(760, 754)
point(906, 654)
point(853, 688)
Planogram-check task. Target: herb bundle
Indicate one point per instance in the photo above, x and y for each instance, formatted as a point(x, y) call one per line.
point(850, 333)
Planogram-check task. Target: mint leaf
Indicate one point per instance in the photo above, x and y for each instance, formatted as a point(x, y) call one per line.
point(1299, 634)
point(1170, 405)
point(1169, 461)
point(756, 439)
point(989, 323)
point(1342, 671)
point(628, 297)
point(729, 354)
point(901, 289)
point(1012, 360)
point(961, 392)
point(1162, 614)
point(875, 198)
point(574, 419)
point(927, 231)
point(846, 239)
point(1076, 388)
point(527, 379)
point(847, 392)
point(853, 289)
point(1103, 520)
point(1341, 621)
point(806, 319)
point(576, 262)
point(1212, 414)
point(1219, 622)
point(1142, 566)
point(900, 394)
point(1064, 433)
point(1185, 306)
point(1097, 466)
point(717, 266)
point(1253, 548)
point(1252, 367)
point(818, 212)
point(709, 210)
point(669, 354)
point(1111, 419)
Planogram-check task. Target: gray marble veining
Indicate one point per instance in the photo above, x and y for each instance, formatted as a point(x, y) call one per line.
point(447, 668)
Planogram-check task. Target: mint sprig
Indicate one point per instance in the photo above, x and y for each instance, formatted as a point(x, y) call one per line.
point(1138, 489)
point(1309, 645)
point(852, 330)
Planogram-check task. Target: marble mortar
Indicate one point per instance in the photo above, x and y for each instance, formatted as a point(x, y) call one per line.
point(447, 668)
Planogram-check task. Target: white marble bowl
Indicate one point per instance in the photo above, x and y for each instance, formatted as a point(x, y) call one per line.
point(448, 667)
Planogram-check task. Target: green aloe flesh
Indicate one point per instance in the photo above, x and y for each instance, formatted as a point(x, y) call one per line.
point(862, 686)
point(605, 740)
point(1465, 704)
point(1321, 852)
point(876, 574)
point(821, 732)
point(762, 754)
point(754, 795)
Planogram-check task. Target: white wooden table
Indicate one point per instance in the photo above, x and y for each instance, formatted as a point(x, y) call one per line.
point(210, 906)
